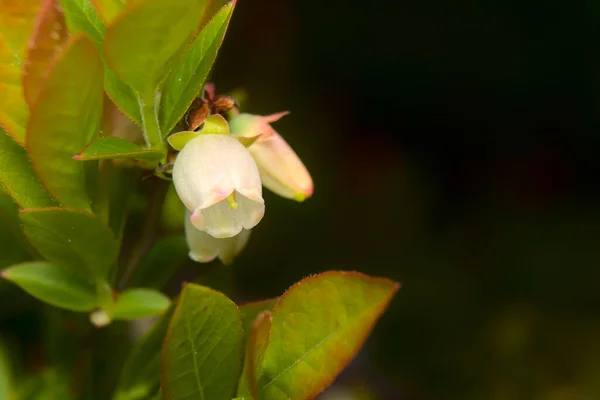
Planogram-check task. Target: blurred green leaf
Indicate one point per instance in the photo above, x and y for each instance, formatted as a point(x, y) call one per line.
point(18, 177)
point(15, 247)
point(140, 376)
point(187, 78)
point(7, 389)
point(65, 118)
point(115, 147)
point(47, 41)
point(255, 351)
point(109, 9)
point(140, 303)
point(164, 258)
point(140, 46)
point(71, 238)
point(318, 326)
point(206, 327)
point(251, 310)
point(16, 24)
point(56, 285)
point(82, 16)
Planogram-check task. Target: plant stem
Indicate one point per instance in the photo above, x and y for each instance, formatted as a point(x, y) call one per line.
point(151, 126)
point(148, 231)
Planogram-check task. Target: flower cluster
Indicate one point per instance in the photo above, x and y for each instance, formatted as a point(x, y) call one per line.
point(219, 180)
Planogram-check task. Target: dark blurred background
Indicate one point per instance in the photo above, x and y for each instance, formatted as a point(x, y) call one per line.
point(454, 147)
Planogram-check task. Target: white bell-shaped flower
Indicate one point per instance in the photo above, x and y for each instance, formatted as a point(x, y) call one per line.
point(217, 180)
point(204, 247)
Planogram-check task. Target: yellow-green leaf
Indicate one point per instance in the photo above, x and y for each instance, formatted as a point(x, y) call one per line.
point(65, 118)
point(318, 326)
point(115, 147)
point(71, 238)
point(54, 284)
point(206, 327)
point(17, 19)
point(187, 78)
point(46, 42)
point(141, 44)
point(255, 352)
point(18, 177)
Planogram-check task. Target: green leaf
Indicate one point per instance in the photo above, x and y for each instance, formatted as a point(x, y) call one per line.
point(44, 45)
point(7, 389)
point(64, 119)
point(115, 147)
point(82, 16)
point(157, 267)
point(18, 177)
point(251, 310)
point(141, 44)
point(187, 78)
point(16, 24)
point(15, 247)
point(255, 352)
point(202, 353)
point(71, 238)
point(56, 285)
point(140, 303)
point(140, 376)
point(109, 9)
point(318, 326)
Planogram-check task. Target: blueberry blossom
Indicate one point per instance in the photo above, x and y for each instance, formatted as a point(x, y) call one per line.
point(217, 180)
point(204, 247)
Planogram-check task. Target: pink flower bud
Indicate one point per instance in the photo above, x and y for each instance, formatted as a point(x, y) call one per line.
point(281, 170)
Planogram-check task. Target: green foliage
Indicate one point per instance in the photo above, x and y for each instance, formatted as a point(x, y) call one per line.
point(87, 225)
point(71, 238)
point(186, 80)
point(202, 354)
point(114, 147)
point(56, 285)
point(64, 119)
point(139, 303)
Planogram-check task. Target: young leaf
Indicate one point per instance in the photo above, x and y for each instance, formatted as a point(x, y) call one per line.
point(56, 285)
point(16, 24)
point(255, 352)
point(318, 326)
point(202, 353)
point(115, 147)
point(140, 376)
point(142, 42)
point(186, 80)
point(81, 16)
point(48, 39)
point(18, 177)
point(15, 247)
point(250, 312)
point(140, 303)
point(71, 238)
point(64, 119)
point(109, 9)
point(7, 384)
